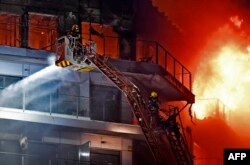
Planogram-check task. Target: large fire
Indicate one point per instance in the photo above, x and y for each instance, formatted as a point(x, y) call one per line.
point(216, 47)
point(224, 73)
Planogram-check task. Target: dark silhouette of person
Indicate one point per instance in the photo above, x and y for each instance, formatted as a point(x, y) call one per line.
point(153, 106)
point(171, 125)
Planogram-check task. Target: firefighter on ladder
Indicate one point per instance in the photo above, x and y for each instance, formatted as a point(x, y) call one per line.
point(171, 125)
point(153, 106)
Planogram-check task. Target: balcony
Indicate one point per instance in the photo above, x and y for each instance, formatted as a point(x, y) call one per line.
point(178, 76)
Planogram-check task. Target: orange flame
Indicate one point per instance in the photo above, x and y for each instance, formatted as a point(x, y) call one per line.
point(224, 74)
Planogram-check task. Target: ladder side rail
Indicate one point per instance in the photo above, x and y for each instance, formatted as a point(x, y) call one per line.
point(178, 145)
point(128, 84)
point(150, 139)
point(115, 71)
point(139, 109)
point(177, 150)
point(184, 142)
point(136, 102)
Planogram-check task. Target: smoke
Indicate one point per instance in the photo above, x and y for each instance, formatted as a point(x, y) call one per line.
point(198, 21)
point(125, 49)
point(66, 21)
point(38, 85)
point(202, 16)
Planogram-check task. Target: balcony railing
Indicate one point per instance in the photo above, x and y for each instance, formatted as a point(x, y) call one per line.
point(142, 51)
point(93, 108)
point(212, 107)
point(8, 158)
point(114, 47)
point(152, 51)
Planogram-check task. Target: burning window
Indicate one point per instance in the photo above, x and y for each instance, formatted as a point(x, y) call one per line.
point(9, 29)
point(42, 31)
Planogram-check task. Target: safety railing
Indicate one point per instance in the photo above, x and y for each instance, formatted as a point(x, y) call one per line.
point(7, 158)
point(94, 108)
point(40, 35)
point(212, 107)
point(151, 51)
point(143, 51)
point(112, 46)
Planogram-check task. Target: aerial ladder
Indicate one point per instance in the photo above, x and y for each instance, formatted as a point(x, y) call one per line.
point(158, 137)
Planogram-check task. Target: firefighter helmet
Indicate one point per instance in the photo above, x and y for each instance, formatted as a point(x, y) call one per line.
point(75, 28)
point(154, 94)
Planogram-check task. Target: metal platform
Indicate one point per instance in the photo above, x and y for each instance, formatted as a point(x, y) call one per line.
point(153, 77)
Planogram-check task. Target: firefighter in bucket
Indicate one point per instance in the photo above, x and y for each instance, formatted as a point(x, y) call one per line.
point(75, 43)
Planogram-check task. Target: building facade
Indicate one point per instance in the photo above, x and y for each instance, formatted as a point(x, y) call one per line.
point(51, 115)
